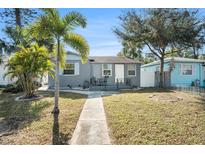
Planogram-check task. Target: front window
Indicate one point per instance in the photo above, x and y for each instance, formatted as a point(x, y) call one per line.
point(69, 69)
point(107, 70)
point(131, 70)
point(187, 69)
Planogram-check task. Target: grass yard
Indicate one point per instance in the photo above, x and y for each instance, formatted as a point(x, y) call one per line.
point(155, 117)
point(32, 122)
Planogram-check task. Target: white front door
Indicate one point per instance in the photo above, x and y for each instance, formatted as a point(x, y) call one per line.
point(119, 73)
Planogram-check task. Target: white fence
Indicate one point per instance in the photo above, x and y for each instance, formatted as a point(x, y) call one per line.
point(147, 79)
point(191, 89)
point(6, 80)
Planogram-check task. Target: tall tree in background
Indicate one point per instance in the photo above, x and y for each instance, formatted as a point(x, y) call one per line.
point(195, 37)
point(132, 50)
point(18, 16)
point(15, 19)
point(160, 30)
point(23, 36)
point(51, 24)
point(149, 57)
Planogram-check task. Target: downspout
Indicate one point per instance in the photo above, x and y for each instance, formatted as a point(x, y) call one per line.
point(200, 74)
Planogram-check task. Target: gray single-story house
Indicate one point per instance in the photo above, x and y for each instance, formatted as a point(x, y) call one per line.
point(99, 73)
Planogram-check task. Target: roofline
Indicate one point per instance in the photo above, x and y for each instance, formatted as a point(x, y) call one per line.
point(135, 61)
point(166, 60)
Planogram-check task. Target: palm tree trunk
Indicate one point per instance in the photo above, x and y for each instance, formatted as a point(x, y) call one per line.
point(56, 109)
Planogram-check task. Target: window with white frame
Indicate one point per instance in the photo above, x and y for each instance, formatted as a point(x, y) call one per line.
point(107, 69)
point(69, 69)
point(187, 69)
point(131, 70)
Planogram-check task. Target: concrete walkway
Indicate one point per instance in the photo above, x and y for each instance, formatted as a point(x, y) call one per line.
point(92, 126)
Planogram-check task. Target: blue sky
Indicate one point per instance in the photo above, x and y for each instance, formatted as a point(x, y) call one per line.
point(99, 30)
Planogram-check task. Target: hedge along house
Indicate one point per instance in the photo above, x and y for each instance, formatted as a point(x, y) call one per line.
point(99, 73)
point(179, 72)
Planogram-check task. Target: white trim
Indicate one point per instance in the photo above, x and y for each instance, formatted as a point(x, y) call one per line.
point(68, 74)
point(181, 69)
point(106, 69)
point(131, 70)
point(76, 68)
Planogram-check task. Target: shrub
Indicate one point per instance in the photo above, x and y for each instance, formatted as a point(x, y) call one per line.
point(28, 65)
point(13, 88)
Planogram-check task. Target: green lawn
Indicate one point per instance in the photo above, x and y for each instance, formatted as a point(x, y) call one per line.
point(155, 117)
point(32, 122)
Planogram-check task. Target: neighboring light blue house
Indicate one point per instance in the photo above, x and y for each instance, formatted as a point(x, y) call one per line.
point(182, 71)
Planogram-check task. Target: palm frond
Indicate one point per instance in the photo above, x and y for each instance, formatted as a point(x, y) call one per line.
point(78, 43)
point(74, 19)
point(51, 12)
point(41, 28)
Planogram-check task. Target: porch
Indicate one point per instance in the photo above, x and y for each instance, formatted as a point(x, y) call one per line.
point(102, 84)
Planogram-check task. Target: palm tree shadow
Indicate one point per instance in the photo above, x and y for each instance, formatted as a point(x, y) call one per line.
point(72, 96)
point(58, 137)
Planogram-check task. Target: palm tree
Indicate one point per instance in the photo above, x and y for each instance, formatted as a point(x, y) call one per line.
point(51, 24)
point(28, 65)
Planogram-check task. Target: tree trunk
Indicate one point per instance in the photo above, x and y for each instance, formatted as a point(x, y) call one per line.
point(161, 84)
point(56, 109)
point(56, 135)
point(18, 17)
point(196, 56)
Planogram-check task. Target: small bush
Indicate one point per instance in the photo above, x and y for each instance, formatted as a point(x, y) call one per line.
point(13, 88)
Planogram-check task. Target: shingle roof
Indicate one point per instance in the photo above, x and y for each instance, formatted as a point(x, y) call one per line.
point(108, 59)
point(176, 59)
point(112, 59)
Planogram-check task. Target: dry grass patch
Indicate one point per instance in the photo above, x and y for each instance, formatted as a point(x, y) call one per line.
point(150, 117)
point(32, 122)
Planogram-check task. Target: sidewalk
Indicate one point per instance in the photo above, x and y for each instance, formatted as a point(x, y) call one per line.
point(92, 126)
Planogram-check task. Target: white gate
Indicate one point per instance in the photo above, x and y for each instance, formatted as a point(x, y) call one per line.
point(147, 79)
